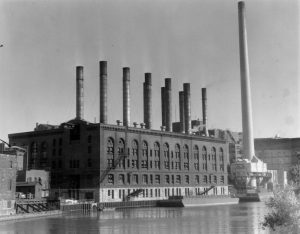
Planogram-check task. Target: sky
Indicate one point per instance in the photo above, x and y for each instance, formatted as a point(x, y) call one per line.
point(192, 41)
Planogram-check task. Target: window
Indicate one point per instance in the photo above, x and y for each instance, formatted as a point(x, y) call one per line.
point(157, 179)
point(54, 165)
point(151, 179)
point(185, 152)
point(59, 152)
point(197, 179)
point(11, 164)
point(134, 146)
point(145, 149)
point(205, 179)
point(177, 151)
point(167, 179)
point(60, 141)
point(121, 179)
point(145, 179)
point(204, 154)
point(215, 180)
point(144, 164)
point(110, 179)
point(178, 179)
point(187, 179)
point(110, 146)
point(54, 142)
point(135, 179)
point(222, 179)
point(89, 149)
point(89, 139)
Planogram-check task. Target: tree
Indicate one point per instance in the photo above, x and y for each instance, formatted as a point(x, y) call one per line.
point(285, 212)
point(294, 174)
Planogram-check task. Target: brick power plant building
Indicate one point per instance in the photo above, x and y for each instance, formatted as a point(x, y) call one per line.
point(110, 163)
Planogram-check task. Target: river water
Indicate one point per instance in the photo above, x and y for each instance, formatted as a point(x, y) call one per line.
point(239, 219)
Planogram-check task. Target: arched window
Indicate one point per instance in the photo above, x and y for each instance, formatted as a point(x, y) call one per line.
point(134, 147)
point(196, 157)
point(156, 155)
point(186, 157)
point(221, 159)
point(145, 149)
point(177, 157)
point(144, 155)
point(166, 156)
point(185, 152)
point(121, 146)
point(214, 158)
point(204, 158)
point(177, 151)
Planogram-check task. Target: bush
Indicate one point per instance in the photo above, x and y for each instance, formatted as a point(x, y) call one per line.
point(284, 215)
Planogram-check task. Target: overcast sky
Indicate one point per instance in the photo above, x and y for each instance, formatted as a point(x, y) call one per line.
point(192, 41)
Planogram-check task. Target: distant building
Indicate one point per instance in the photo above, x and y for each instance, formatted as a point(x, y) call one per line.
point(234, 140)
point(8, 164)
point(279, 153)
point(36, 182)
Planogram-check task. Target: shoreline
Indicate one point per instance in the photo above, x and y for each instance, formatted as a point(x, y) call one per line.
point(30, 215)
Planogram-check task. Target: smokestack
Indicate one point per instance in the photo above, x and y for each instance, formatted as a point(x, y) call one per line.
point(187, 107)
point(163, 107)
point(103, 92)
point(168, 104)
point(248, 142)
point(126, 96)
point(147, 100)
point(204, 111)
point(181, 111)
point(79, 92)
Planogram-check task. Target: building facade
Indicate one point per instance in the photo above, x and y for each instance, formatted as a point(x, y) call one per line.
point(8, 165)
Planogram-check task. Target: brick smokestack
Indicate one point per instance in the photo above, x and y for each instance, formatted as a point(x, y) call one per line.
point(148, 100)
point(103, 92)
point(126, 96)
point(181, 111)
point(248, 142)
point(187, 107)
point(168, 104)
point(163, 107)
point(79, 92)
point(204, 111)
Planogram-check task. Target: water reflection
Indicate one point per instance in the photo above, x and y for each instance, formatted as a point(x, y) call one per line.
point(242, 218)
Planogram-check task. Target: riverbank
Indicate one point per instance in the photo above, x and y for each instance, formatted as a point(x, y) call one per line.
point(31, 215)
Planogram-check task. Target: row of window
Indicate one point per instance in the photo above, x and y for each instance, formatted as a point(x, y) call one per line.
point(166, 149)
point(168, 179)
point(164, 192)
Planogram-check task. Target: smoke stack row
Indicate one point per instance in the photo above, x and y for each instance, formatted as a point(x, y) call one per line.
point(166, 100)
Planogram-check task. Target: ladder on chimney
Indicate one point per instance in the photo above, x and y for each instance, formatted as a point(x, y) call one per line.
point(117, 161)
